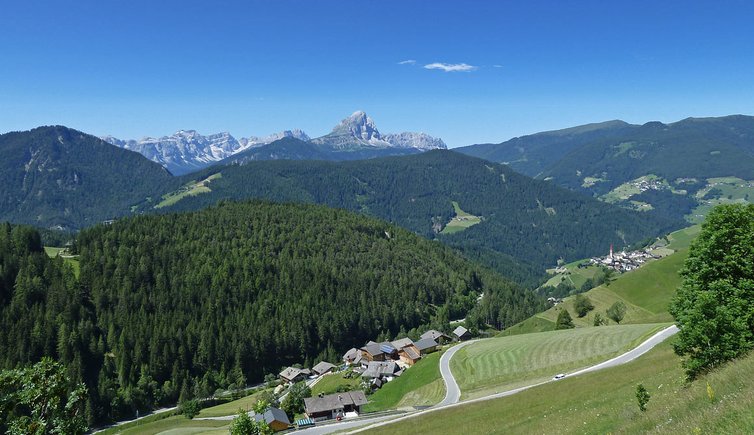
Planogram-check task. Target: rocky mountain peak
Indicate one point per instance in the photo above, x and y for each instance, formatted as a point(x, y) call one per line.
point(360, 125)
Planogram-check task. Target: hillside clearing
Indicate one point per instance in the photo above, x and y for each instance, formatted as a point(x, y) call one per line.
point(191, 189)
point(503, 363)
point(461, 221)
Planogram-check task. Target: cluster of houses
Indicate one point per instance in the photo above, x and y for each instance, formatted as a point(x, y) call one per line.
point(377, 363)
point(624, 261)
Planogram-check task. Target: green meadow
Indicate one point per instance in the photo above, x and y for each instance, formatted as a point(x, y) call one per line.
point(503, 363)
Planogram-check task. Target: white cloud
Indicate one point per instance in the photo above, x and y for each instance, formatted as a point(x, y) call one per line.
point(451, 67)
point(497, 66)
point(407, 62)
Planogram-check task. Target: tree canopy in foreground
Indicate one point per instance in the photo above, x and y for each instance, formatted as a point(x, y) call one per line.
point(713, 307)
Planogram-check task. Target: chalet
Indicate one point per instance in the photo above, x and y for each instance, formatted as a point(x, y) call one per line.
point(409, 354)
point(334, 405)
point(401, 343)
point(275, 418)
point(353, 356)
point(380, 369)
point(378, 351)
point(322, 368)
point(438, 336)
point(292, 375)
point(372, 352)
point(425, 346)
point(462, 333)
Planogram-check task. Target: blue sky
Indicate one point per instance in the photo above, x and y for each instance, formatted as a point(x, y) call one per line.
point(254, 67)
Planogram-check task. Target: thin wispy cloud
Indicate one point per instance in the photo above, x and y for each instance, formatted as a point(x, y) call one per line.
point(451, 67)
point(407, 62)
point(497, 66)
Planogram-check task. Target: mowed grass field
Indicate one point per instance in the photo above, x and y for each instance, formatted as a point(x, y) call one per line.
point(461, 221)
point(330, 383)
point(190, 189)
point(170, 423)
point(175, 424)
point(231, 408)
point(503, 363)
point(605, 402)
point(420, 385)
point(647, 292)
point(574, 275)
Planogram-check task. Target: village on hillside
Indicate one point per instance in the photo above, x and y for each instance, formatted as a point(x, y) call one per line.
point(624, 261)
point(375, 363)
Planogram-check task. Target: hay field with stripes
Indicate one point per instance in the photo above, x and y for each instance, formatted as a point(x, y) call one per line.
point(504, 363)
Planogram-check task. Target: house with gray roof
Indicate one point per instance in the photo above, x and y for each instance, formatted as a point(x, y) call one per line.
point(380, 369)
point(323, 367)
point(462, 333)
point(275, 418)
point(334, 405)
point(292, 375)
point(401, 343)
point(436, 335)
point(409, 355)
point(353, 356)
point(425, 346)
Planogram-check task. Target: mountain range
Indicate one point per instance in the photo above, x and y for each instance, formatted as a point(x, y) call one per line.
point(355, 137)
point(663, 168)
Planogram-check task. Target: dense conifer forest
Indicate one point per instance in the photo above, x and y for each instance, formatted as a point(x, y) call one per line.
point(527, 225)
point(179, 305)
point(59, 177)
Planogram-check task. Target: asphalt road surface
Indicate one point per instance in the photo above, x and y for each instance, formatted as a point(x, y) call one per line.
point(452, 396)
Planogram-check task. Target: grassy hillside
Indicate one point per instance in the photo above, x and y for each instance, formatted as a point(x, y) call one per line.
point(605, 402)
point(504, 363)
point(646, 292)
point(421, 385)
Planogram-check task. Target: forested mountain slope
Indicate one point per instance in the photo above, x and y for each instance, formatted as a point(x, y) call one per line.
point(521, 219)
point(534, 153)
point(59, 177)
point(179, 305)
point(675, 170)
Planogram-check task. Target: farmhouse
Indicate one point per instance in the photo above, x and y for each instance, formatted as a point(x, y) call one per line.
point(353, 356)
point(401, 343)
point(438, 336)
point(462, 333)
point(292, 375)
point(425, 346)
point(334, 405)
point(378, 351)
point(380, 369)
point(322, 368)
point(409, 354)
point(275, 418)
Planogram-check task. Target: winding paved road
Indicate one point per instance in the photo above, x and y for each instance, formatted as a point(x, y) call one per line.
point(452, 395)
point(452, 391)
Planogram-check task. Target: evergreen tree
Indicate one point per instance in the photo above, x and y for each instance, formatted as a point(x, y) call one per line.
point(564, 320)
point(617, 311)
